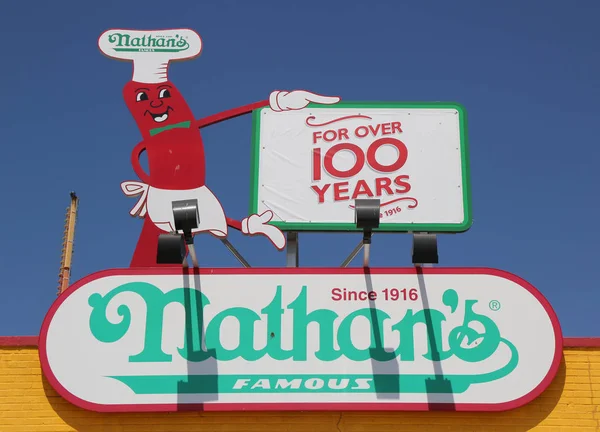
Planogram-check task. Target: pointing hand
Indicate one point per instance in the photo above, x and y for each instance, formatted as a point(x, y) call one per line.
point(259, 224)
point(283, 101)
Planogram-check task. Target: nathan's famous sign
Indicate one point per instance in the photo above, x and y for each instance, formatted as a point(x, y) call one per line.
point(153, 339)
point(159, 338)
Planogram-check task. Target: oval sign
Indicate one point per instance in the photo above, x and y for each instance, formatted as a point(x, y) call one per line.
point(464, 339)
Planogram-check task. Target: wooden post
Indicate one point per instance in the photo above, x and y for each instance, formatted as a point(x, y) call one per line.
point(68, 240)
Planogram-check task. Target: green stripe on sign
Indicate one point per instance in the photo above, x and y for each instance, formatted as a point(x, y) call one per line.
point(182, 384)
point(319, 383)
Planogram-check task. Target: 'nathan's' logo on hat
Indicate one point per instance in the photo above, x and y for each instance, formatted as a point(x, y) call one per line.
point(151, 51)
point(124, 42)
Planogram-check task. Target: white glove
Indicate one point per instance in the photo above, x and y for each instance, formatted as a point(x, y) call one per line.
point(283, 101)
point(259, 224)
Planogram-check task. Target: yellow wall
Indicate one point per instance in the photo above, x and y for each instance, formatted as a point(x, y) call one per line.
point(29, 404)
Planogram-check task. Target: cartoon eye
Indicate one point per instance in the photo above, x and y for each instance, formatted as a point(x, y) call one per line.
point(164, 93)
point(141, 96)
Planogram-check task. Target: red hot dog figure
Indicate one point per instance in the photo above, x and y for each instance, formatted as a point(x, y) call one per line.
point(172, 140)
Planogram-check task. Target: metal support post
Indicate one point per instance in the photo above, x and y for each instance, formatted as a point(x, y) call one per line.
point(291, 253)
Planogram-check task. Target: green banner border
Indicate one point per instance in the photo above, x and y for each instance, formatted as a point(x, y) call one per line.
point(384, 227)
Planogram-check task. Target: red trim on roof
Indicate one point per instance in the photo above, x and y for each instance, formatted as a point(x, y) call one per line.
point(18, 341)
point(578, 342)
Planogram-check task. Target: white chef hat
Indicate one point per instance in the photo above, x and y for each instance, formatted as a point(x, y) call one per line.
point(150, 51)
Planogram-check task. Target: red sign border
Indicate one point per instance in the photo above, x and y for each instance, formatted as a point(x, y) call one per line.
point(342, 406)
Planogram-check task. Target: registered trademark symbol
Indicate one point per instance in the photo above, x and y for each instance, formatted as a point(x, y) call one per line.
point(495, 305)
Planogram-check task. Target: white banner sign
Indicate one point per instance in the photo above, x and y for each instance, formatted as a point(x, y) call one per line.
point(228, 339)
point(310, 166)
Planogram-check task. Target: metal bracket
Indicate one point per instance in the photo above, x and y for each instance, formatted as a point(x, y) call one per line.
point(291, 252)
point(186, 218)
point(235, 252)
point(354, 252)
point(171, 247)
point(367, 213)
point(424, 249)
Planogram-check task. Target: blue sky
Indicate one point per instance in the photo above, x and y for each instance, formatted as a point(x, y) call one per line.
point(527, 73)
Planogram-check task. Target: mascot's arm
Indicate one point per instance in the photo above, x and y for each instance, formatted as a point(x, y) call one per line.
point(227, 115)
point(230, 114)
point(135, 162)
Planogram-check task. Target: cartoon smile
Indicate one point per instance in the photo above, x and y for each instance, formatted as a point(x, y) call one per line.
point(160, 117)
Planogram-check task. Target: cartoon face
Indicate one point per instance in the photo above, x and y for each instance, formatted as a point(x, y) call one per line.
point(156, 105)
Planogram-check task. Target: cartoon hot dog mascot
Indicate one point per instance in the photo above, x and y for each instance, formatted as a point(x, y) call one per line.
point(172, 140)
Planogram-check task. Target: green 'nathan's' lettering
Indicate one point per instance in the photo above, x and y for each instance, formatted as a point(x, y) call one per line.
point(125, 42)
point(194, 302)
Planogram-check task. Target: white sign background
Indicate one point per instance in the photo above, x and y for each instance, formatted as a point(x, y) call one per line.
point(284, 171)
point(79, 366)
